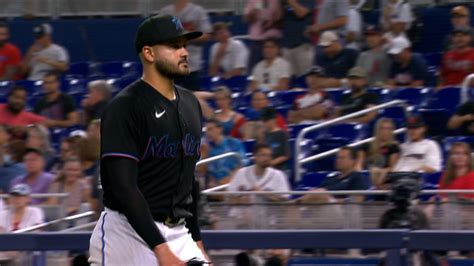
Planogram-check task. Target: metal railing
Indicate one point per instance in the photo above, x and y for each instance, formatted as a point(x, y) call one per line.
point(466, 87)
point(218, 157)
point(61, 196)
point(65, 219)
point(306, 130)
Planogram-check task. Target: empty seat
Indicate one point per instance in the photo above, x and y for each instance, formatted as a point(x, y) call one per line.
point(119, 69)
point(384, 95)
point(336, 95)
point(413, 96)
point(448, 98)
point(5, 87)
point(432, 179)
point(75, 86)
point(314, 179)
point(237, 83)
point(33, 87)
point(81, 69)
point(397, 113)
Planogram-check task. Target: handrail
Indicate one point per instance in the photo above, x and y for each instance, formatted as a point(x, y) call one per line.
point(79, 227)
point(340, 192)
point(218, 157)
point(40, 195)
point(465, 88)
point(65, 219)
point(334, 151)
point(306, 130)
point(213, 189)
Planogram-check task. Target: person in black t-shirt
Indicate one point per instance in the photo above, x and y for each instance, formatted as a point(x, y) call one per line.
point(359, 99)
point(151, 136)
point(381, 154)
point(275, 138)
point(463, 119)
point(58, 107)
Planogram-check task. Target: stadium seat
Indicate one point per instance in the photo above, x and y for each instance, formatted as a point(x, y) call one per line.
point(449, 141)
point(397, 113)
point(432, 179)
point(236, 84)
point(344, 133)
point(5, 87)
point(75, 86)
point(413, 96)
point(298, 82)
point(447, 98)
point(288, 97)
point(295, 129)
point(33, 87)
point(314, 179)
point(337, 94)
point(117, 69)
point(249, 145)
point(80, 69)
point(384, 95)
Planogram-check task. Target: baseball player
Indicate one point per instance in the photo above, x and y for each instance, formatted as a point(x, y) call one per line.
point(151, 134)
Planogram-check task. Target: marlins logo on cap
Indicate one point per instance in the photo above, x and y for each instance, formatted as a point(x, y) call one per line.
point(177, 23)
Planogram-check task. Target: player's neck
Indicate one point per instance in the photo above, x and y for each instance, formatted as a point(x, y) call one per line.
point(163, 85)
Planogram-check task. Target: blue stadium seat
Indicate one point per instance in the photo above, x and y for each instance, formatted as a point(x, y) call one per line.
point(346, 133)
point(432, 179)
point(298, 82)
point(397, 113)
point(117, 69)
point(449, 141)
point(384, 95)
point(75, 86)
point(33, 87)
point(236, 84)
point(5, 87)
point(80, 69)
point(124, 82)
point(314, 179)
point(447, 98)
point(337, 94)
point(206, 83)
point(249, 145)
point(295, 129)
point(433, 59)
point(413, 96)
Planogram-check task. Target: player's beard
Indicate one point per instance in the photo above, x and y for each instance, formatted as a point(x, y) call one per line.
point(170, 70)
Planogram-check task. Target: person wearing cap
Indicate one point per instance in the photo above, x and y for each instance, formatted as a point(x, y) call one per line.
point(10, 55)
point(44, 55)
point(220, 172)
point(316, 103)
point(194, 18)
point(20, 215)
point(151, 134)
point(418, 154)
point(396, 16)
point(359, 99)
point(408, 69)
point(36, 176)
point(228, 57)
point(273, 72)
point(460, 17)
point(375, 60)
point(334, 59)
point(276, 139)
point(458, 62)
point(262, 176)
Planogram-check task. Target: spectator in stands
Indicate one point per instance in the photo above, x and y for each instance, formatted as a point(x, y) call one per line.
point(69, 147)
point(89, 154)
point(359, 99)
point(220, 172)
point(58, 107)
point(10, 55)
point(20, 215)
point(93, 130)
point(253, 127)
point(418, 153)
point(460, 17)
point(375, 61)
point(276, 139)
point(273, 72)
point(396, 16)
point(230, 120)
point(297, 48)
point(71, 180)
point(228, 57)
point(13, 113)
point(408, 69)
point(263, 17)
point(35, 176)
point(334, 59)
point(37, 137)
point(194, 18)
point(463, 119)
point(96, 100)
point(10, 159)
point(381, 154)
point(458, 62)
point(459, 171)
point(347, 178)
point(315, 104)
point(261, 176)
point(353, 30)
point(329, 15)
point(44, 56)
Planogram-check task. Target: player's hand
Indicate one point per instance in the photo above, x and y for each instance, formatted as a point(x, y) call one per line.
point(166, 257)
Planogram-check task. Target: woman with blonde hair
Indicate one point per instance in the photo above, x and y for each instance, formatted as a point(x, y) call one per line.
point(381, 154)
point(38, 138)
point(71, 180)
point(459, 173)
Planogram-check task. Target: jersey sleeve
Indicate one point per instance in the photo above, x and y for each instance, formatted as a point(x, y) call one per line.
point(120, 130)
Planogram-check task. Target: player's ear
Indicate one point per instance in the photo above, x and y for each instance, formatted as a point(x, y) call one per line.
point(148, 54)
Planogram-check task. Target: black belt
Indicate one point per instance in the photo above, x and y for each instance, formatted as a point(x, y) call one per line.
point(168, 221)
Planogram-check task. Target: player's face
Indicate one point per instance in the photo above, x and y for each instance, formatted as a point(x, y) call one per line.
point(34, 163)
point(73, 171)
point(17, 101)
point(460, 156)
point(416, 134)
point(171, 59)
point(263, 157)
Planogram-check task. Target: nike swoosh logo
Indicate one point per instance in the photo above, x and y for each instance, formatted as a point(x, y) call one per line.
point(158, 115)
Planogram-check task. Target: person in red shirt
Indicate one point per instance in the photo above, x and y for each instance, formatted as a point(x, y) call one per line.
point(459, 173)
point(10, 55)
point(14, 114)
point(458, 62)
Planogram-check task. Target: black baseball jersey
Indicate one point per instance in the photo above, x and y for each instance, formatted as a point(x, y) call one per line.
point(163, 136)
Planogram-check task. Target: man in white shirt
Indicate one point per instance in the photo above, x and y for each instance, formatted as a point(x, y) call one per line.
point(44, 56)
point(261, 177)
point(353, 29)
point(418, 153)
point(273, 72)
point(228, 57)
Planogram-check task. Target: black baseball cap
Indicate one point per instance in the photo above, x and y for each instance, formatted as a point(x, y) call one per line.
point(161, 28)
point(415, 122)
